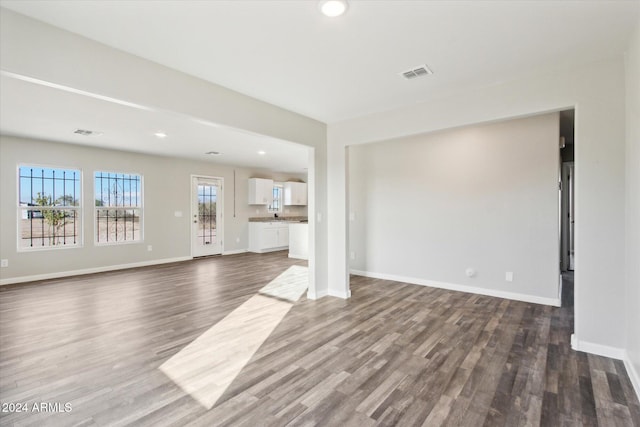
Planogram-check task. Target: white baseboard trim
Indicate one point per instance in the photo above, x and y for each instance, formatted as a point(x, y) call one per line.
point(298, 256)
point(461, 288)
point(340, 294)
point(598, 349)
point(612, 352)
point(59, 274)
point(235, 252)
point(317, 295)
point(264, 251)
point(634, 376)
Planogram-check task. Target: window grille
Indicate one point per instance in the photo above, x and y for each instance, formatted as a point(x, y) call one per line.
point(118, 207)
point(49, 204)
point(276, 205)
point(207, 214)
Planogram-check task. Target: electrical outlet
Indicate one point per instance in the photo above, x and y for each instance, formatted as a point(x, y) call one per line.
point(352, 255)
point(237, 240)
point(4, 263)
point(149, 248)
point(508, 276)
point(470, 272)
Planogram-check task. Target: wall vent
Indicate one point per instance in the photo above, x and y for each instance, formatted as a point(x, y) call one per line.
point(418, 71)
point(85, 132)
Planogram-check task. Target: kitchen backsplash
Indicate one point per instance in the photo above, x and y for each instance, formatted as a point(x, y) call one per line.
point(262, 211)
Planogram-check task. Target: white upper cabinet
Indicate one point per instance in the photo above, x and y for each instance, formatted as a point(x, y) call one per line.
point(260, 191)
point(295, 193)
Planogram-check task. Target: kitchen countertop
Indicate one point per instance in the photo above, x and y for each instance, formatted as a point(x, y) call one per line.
point(279, 219)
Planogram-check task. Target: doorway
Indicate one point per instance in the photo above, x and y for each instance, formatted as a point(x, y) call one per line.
point(567, 199)
point(567, 206)
point(206, 216)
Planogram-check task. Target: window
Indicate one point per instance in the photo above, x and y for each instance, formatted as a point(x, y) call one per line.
point(118, 207)
point(49, 202)
point(276, 206)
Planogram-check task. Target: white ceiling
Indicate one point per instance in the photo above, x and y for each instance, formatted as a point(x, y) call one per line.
point(288, 54)
point(49, 113)
point(332, 69)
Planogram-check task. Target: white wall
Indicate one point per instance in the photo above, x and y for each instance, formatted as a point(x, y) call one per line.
point(32, 48)
point(427, 207)
point(632, 62)
point(167, 188)
point(597, 92)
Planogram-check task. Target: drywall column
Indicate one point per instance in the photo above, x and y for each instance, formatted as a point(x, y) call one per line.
point(338, 232)
point(632, 71)
point(317, 223)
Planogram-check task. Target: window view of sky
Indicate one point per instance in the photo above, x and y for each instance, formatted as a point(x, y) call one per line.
point(117, 189)
point(56, 186)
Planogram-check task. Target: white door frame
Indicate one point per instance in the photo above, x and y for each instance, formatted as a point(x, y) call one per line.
point(312, 212)
point(567, 169)
point(219, 209)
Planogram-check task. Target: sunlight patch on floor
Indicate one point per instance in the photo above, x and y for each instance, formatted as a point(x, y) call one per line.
point(209, 364)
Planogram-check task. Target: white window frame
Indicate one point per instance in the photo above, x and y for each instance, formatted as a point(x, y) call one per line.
point(79, 209)
point(140, 209)
point(279, 185)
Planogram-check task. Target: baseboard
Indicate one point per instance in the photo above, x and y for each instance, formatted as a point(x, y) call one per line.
point(633, 374)
point(264, 251)
point(461, 288)
point(57, 275)
point(340, 294)
point(317, 295)
point(235, 252)
point(598, 349)
point(298, 256)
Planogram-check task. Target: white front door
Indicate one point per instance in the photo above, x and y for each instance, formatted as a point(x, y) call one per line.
point(206, 216)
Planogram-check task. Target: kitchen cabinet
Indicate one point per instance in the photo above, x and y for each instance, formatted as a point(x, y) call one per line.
point(268, 236)
point(260, 191)
point(295, 193)
point(299, 240)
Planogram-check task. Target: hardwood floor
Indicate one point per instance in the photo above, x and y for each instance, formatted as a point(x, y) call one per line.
point(393, 354)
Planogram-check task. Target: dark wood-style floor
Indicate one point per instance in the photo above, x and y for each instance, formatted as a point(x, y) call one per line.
point(393, 354)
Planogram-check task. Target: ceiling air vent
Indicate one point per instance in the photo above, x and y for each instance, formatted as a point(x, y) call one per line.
point(419, 71)
point(85, 132)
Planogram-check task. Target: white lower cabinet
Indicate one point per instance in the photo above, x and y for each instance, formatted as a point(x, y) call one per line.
point(268, 236)
point(299, 240)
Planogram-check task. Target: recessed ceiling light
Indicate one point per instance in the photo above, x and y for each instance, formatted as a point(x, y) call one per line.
point(333, 8)
point(160, 134)
point(262, 153)
point(213, 153)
